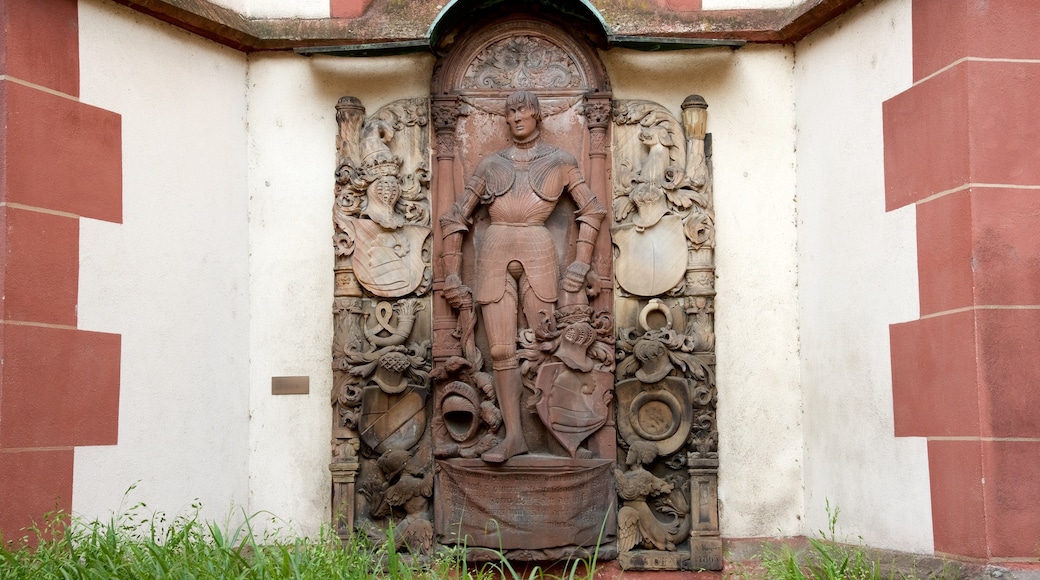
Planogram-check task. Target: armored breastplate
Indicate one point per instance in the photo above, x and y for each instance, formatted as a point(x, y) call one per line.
point(546, 171)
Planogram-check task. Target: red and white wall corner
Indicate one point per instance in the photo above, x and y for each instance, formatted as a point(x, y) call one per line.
point(60, 160)
point(963, 144)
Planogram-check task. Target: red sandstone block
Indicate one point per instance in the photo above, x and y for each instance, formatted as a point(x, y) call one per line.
point(1012, 493)
point(979, 246)
point(926, 139)
point(60, 387)
point(1004, 100)
point(959, 519)
point(966, 125)
point(33, 483)
point(681, 5)
point(40, 43)
point(1006, 247)
point(970, 373)
point(61, 154)
point(935, 376)
point(944, 253)
point(348, 8)
point(40, 266)
point(948, 30)
point(1008, 373)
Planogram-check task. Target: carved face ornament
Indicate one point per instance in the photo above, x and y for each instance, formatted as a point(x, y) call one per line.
point(522, 121)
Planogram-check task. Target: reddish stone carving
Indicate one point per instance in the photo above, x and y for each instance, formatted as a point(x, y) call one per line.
point(501, 385)
point(381, 457)
point(525, 399)
point(517, 270)
point(638, 523)
point(522, 62)
point(665, 236)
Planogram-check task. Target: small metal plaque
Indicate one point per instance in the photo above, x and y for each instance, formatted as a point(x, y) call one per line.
point(290, 385)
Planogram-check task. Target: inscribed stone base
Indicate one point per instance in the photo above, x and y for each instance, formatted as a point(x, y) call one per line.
point(655, 560)
point(706, 552)
point(531, 503)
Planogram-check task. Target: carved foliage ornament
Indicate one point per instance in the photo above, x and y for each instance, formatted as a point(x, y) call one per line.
point(381, 457)
point(664, 240)
point(522, 62)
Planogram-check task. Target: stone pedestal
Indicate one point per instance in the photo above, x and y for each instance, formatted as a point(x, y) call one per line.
point(528, 503)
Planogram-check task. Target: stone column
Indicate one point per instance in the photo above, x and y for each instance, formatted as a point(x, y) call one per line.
point(597, 114)
point(705, 541)
point(444, 112)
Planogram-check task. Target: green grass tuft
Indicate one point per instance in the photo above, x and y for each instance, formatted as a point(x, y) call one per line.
point(138, 545)
point(135, 547)
point(826, 559)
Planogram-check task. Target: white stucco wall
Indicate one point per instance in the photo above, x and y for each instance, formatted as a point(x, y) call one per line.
point(750, 95)
point(857, 274)
point(173, 278)
point(292, 162)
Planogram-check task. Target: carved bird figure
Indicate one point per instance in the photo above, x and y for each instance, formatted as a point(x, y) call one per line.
point(637, 524)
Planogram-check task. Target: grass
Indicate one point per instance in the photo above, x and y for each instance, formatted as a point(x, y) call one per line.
point(826, 559)
point(135, 545)
point(131, 547)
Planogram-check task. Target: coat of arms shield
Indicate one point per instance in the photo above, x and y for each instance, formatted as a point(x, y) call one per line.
point(573, 404)
point(650, 260)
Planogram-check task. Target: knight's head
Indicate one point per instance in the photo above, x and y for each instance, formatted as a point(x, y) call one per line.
point(523, 114)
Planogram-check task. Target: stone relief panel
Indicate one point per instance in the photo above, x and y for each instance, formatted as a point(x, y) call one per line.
point(524, 434)
point(520, 63)
point(524, 333)
point(664, 238)
point(381, 453)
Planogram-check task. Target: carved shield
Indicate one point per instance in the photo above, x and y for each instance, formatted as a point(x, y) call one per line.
point(573, 404)
point(661, 413)
point(388, 263)
point(650, 261)
point(392, 421)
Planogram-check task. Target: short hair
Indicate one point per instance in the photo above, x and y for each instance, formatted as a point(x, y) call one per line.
point(526, 98)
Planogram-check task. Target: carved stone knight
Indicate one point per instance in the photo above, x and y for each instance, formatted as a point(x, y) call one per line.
point(516, 265)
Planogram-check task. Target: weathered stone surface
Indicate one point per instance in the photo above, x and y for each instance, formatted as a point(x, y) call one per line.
point(392, 21)
point(664, 237)
point(382, 461)
point(479, 368)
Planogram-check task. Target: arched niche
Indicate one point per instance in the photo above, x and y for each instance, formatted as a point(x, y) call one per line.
point(571, 507)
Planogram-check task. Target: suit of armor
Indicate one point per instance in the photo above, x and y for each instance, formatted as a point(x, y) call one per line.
point(516, 259)
point(521, 186)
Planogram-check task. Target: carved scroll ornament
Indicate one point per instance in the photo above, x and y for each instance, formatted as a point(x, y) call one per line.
point(381, 453)
point(664, 239)
point(522, 62)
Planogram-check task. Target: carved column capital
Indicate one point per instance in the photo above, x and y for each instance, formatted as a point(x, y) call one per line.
point(597, 112)
point(348, 104)
point(350, 116)
point(445, 114)
point(695, 117)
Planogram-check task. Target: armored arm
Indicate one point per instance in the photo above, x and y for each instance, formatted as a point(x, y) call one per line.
point(589, 216)
point(454, 225)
